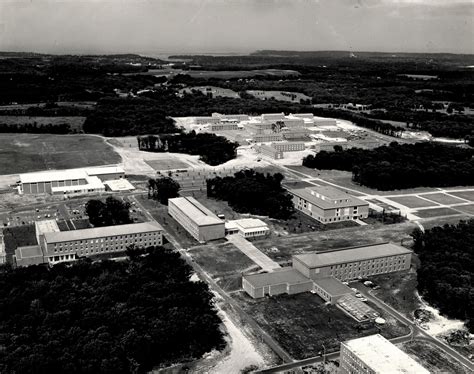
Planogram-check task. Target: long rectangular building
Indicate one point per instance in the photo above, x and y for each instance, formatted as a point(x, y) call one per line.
point(376, 355)
point(63, 246)
point(352, 263)
point(328, 204)
point(196, 219)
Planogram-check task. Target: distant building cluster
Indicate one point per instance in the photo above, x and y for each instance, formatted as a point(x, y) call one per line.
point(56, 246)
point(75, 181)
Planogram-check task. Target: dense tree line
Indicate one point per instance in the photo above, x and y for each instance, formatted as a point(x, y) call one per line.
point(108, 213)
point(162, 189)
point(212, 149)
point(105, 317)
point(134, 116)
point(400, 166)
point(252, 192)
point(34, 128)
point(446, 269)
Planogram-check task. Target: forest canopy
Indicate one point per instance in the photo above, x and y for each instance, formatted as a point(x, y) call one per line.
point(252, 192)
point(105, 317)
point(399, 166)
point(446, 271)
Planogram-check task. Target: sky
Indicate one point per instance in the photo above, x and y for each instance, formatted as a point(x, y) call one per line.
point(155, 27)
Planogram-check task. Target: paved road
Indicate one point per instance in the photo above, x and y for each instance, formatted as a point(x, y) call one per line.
point(257, 256)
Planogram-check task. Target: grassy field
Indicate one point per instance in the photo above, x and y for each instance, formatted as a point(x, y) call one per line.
point(22, 153)
point(436, 212)
point(432, 358)
point(468, 195)
point(167, 163)
point(221, 259)
point(302, 323)
point(333, 239)
point(75, 122)
point(294, 97)
point(412, 201)
point(466, 208)
point(215, 91)
point(442, 198)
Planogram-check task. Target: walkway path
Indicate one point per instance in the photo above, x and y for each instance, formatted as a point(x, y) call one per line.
point(257, 256)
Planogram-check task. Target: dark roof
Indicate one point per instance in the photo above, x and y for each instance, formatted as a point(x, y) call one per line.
point(286, 275)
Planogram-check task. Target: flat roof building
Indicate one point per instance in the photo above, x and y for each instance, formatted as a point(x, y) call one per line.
point(196, 219)
point(286, 280)
point(375, 354)
point(328, 204)
point(247, 227)
point(355, 262)
point(331, 289)
point(63, 246)
point(29, 255)
point(70, 181)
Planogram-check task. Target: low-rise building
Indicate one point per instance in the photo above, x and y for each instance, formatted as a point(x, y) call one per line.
point(196, 219)
point(303, 115)
point(225, 125)
point(247, 227)
point(205, 120)
point(278, 282)
point(268, 137)
point(118, 185)
point(376, 355)
point(237, 117)
point(328, 204)
point(356, 262)
point(272, 116)
point(29, 255)
point(71, 181)
point(331, 289)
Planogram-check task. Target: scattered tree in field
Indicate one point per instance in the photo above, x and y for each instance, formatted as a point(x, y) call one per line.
point(112, 212)
point(105, 317)
point(163, 189)
point(252, 192)
point(447, 268)
point(212, 149)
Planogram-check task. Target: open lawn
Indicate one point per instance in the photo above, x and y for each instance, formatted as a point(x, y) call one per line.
point(74, 122)
point(167, 163)
point(18, 236)
point(212, 90)
point(222, 74)
point(412, 202)
point(432, 358)
point(302, 323)
point(436, 212)
point(333, 239)
point(294, 97)
point(466, 208)
point(442, 198)
point(22, 153)
point(468, 195)
point(221, 259)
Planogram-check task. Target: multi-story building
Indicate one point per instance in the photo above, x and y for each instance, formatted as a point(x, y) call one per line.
point(272, 116)
point(328, 204)
point(71, 181)
point(225, 125)
point(205, 120)
point(259, 127)
point(355, 262)
point(292, 122)
point(236, 117)
point(376, 355)
point(268, 137)
point(289, 146)
point(303, 115)
point(64, 246)
point(196, 219)
point(247, 227)
point(269, 151)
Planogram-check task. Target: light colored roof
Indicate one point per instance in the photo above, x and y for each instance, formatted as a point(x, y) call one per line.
point(60, 175)
point(105, 170)
point(333, 286)
point(250, 223)
point(383, 357)
point(342, 256)
point(28, 252)
point(329, 197)
point(288, 275)
point(57, 175)
point(46, 225)
point(195, 211)
point(99, 232)
point(119, 185)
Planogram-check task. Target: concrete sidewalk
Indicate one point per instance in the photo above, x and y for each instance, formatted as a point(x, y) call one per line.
point(261, 259)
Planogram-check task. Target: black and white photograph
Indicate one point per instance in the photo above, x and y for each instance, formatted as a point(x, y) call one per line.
point(236, 186)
